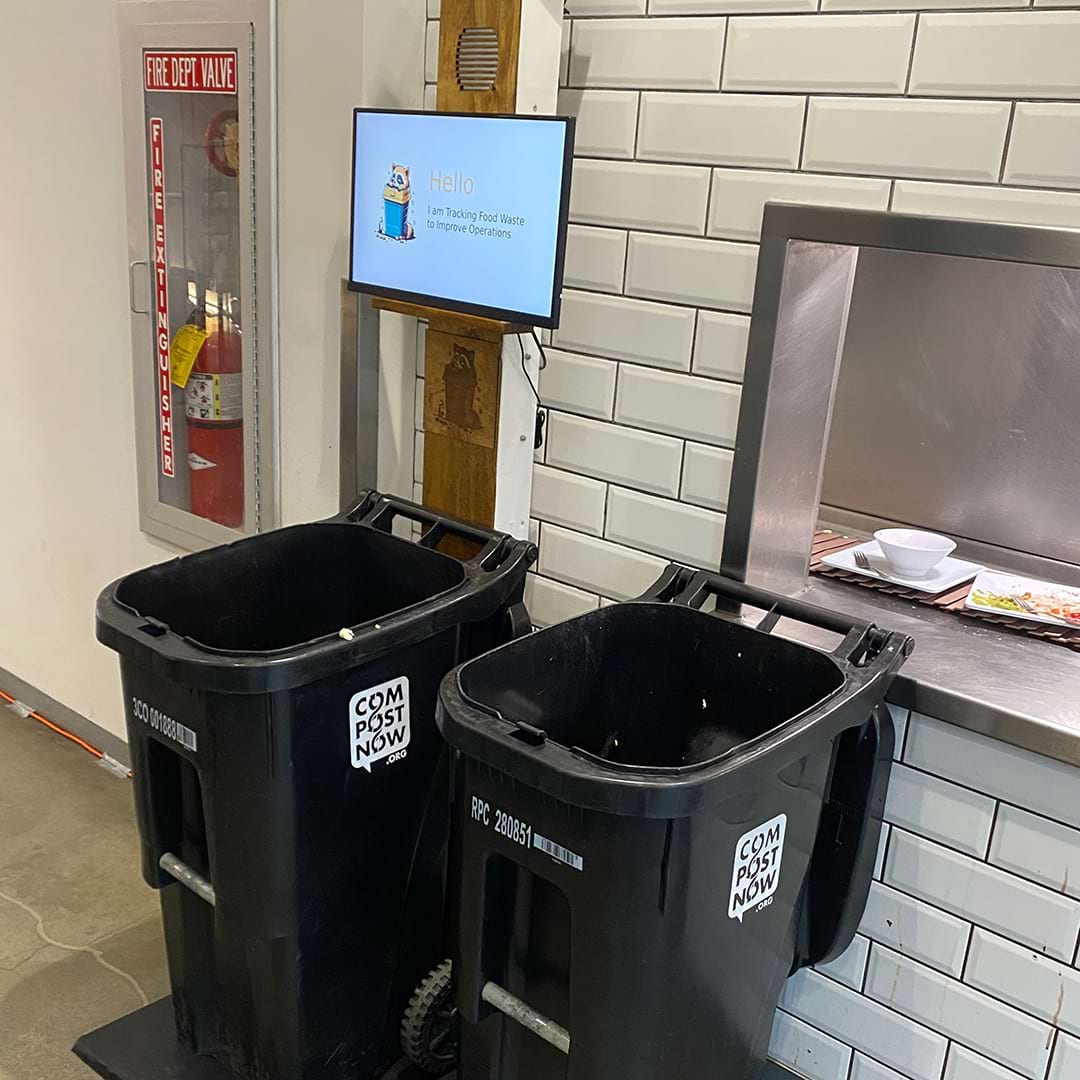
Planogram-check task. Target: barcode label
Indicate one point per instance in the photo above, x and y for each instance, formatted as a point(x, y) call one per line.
point(161, 722)
point(186, 737)
point(557, 851)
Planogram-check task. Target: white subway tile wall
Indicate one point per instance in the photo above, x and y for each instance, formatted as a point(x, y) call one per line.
point(943, 811)
point(720, 345)
point(722, 129)
point(1039, 917)
point(864, 1068)
point(665, 527)
point(967, 1065)
point(1045, 146)
point(839, 54)
point(595, 258)
point(812, 1053)
point(739, 197)
point(693, 113)
point(1066, 1062)
point(915, 928)
point(706, 475)
point(956, 1010)
point(606, 121)
point(938, 140)
point(964, 1064)
point(706, 273)
point(850, 966)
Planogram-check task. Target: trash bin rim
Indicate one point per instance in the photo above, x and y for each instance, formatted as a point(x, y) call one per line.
point(661, 770)
point(289, 651)
point(488, 583)
point(590, 782)
point(742, 749)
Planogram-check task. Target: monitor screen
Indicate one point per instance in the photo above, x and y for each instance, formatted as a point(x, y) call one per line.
point(463, 212)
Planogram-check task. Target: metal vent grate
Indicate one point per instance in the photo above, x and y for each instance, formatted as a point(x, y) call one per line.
point(477, 58)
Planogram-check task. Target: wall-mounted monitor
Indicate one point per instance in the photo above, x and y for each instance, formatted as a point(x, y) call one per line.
point(461, 211)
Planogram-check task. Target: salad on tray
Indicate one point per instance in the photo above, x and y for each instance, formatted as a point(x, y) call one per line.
point(1025, 598)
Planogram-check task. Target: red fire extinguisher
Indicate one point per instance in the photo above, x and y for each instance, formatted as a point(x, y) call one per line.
point(214, 409)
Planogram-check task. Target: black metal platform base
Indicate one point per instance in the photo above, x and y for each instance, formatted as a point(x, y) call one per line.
point(143, 1046)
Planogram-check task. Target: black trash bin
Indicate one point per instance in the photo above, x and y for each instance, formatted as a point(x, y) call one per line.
point(280, 696)
point(660, 813)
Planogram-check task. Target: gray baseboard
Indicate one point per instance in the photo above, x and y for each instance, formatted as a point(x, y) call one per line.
point(60, 714)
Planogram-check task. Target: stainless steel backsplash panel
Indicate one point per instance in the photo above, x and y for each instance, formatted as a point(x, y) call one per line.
point(958, 398)
point(909, 370)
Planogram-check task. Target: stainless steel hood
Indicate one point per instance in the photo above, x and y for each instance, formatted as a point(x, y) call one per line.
point(925, 372)
point(915, 371)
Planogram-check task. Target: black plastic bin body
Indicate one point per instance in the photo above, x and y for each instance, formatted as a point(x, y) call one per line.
point(255, 676)
point(659, 815)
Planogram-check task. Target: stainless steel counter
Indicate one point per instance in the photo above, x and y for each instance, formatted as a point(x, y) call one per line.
point(1000, 683)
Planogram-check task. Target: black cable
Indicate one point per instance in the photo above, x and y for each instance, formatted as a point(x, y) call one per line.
point(525, 370)
point(543, 355)
point(541, 417)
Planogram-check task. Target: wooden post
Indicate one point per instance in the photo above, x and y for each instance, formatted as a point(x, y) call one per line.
point(478, 61)
point(462, 379)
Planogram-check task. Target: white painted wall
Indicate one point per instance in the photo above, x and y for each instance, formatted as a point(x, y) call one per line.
point(67, 443)
point(332, 56)
point(67, 463)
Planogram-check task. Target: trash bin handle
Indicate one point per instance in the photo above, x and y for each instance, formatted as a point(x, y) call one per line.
point(682, 585)
point(378, 512)
point(845, 849)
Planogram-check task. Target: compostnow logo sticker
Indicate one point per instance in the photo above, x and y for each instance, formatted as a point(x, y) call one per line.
point(756, 873)
point(379, 723)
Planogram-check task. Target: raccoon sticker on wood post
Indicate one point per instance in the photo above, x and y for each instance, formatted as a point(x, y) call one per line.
point(461, 389)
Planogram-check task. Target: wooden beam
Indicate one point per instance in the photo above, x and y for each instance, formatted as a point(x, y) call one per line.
point(478, 17)
point(462, 377)
point(440, 319)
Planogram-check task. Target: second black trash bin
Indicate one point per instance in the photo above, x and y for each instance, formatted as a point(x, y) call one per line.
point(280, 698)
point(659, 815)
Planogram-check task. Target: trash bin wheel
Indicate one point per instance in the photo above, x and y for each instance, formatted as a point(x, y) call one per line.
point(429, 1030)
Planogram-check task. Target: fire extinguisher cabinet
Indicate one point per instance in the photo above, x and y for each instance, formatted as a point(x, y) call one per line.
point(236, 159)
point(199, 139)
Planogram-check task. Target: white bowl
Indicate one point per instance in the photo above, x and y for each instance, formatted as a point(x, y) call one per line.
point(911, 553)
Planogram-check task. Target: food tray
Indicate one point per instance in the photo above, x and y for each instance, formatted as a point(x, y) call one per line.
point(954, 600)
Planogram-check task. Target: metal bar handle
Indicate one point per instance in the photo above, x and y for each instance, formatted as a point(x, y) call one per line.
point(526, 1016)
point(679, 584)
point(131, 287)
point(187, 877)
point(703, 584)
point(379, 514)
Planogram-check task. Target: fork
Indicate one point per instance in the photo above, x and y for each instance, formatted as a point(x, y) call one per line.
point(1029, 607)
point(863, 563)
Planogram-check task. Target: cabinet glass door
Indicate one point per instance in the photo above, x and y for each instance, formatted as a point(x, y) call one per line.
point(197, 218)
point(190, 122)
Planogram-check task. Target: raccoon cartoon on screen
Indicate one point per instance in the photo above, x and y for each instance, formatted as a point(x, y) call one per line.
point(397, 195)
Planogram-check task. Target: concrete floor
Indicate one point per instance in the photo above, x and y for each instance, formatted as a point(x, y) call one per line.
point(80, 934)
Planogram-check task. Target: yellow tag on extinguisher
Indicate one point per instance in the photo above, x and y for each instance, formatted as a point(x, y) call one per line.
point(185, 347)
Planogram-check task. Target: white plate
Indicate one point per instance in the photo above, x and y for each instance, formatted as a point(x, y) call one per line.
point(1010, 585)
point(947, 574)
